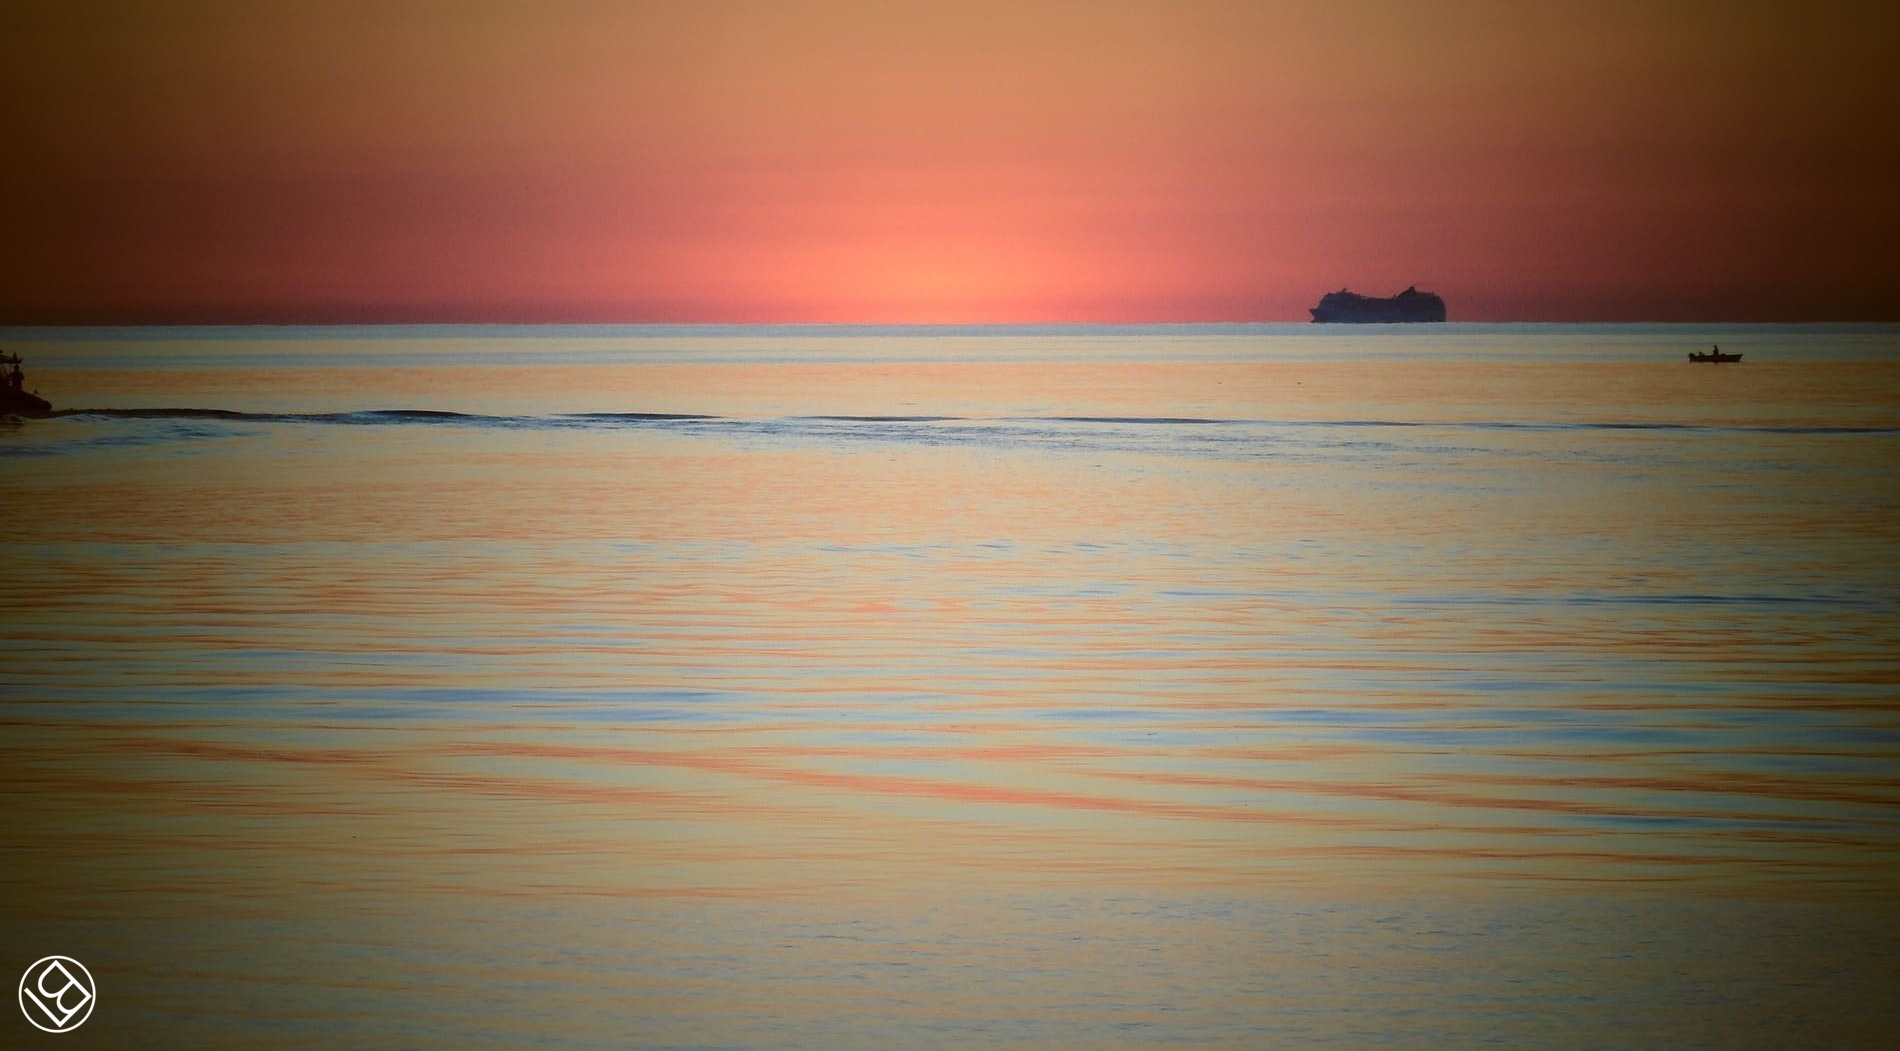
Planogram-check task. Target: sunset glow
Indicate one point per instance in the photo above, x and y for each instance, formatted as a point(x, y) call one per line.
point(942, 162)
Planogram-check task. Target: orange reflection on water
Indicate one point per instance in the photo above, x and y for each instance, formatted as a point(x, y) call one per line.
point(344, 671)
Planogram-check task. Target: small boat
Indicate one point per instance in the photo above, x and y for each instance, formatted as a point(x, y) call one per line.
point(15, 399)
point(1713, 354)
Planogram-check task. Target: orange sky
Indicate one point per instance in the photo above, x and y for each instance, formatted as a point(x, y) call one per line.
point(944, 162)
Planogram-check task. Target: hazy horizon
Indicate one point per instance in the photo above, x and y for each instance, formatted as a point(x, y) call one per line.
point(14, 334)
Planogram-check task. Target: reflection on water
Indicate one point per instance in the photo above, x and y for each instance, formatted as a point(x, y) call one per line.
point(1010, 689)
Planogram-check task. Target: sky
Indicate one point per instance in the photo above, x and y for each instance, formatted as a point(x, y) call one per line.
point(944, 162)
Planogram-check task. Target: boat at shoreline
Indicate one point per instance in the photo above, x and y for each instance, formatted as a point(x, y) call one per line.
point(1713, 354)
point(15, 399)
point(1348, 307)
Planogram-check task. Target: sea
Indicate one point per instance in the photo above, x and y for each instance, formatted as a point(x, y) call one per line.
point(846, 687)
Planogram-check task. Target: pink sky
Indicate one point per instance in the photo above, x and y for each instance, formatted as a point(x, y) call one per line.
point(944, 162)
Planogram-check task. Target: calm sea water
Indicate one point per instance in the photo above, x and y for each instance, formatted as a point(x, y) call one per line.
point(1249, 687)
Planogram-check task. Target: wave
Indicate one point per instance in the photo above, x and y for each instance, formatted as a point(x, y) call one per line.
point(1124, 419)
point(443, 416)
point(888, 419)
point(637, 416)
point(367, 416)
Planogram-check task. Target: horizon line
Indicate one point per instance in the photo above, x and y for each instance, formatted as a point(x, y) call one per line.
point(9, 326)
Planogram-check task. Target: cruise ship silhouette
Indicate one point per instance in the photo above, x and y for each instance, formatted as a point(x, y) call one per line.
point(1409, 305)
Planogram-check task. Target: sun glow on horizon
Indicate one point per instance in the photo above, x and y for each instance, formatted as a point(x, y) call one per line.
point(833, 160)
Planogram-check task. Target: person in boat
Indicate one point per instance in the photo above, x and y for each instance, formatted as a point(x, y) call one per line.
point(15, 378)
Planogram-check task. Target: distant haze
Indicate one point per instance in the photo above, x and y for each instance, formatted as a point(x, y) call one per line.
point(959, 161)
